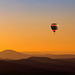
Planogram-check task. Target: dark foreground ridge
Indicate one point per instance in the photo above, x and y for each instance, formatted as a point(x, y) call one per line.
point(38, 65)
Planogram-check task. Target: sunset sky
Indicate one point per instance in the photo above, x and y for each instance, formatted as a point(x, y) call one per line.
point(25, 26)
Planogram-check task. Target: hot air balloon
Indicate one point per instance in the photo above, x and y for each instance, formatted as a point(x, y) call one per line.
point(54, 27)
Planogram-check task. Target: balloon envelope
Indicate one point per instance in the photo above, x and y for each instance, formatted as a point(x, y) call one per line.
point(54, 27)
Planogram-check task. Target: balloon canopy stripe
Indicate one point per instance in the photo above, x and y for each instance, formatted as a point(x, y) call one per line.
point(54, 30)
point(54, 25)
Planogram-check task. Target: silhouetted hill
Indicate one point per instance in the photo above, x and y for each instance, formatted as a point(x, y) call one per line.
point(53, 56)
point(41, 59)
point(64, 56)
point(35, 65)
point(13, 55)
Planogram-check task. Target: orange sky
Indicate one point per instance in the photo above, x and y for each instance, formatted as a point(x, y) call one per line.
point(25, 26)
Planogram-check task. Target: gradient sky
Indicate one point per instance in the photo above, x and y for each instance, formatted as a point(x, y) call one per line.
point(25, 25)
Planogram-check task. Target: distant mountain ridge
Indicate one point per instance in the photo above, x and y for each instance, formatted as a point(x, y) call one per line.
point(13, 55)
point(53, 56)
